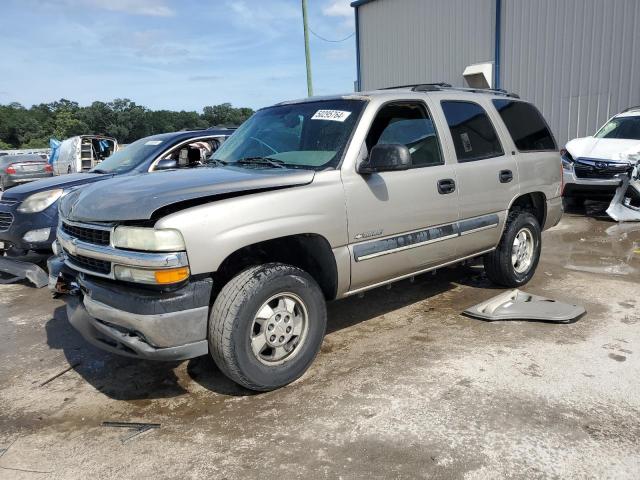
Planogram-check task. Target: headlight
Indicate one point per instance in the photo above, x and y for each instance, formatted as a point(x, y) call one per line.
point(40, 201)
point(37, 236)
point(151, 277)
point(148, 239)
point(567, 159)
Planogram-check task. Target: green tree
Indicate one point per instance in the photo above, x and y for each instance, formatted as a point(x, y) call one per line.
point(225, 114)
point(68, 125)
point(120, 118)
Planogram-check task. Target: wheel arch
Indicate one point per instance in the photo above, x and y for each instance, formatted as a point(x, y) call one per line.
point(532, 202)
point(310, 252)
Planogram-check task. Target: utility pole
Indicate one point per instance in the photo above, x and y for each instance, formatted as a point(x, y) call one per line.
point(307, 53)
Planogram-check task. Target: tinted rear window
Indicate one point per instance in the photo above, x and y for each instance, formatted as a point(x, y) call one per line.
point(526, 125)
point(471, 130)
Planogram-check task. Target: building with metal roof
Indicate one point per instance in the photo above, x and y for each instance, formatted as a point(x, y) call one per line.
point(577, 60)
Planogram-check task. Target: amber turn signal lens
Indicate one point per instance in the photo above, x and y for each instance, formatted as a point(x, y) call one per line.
point(173, 275)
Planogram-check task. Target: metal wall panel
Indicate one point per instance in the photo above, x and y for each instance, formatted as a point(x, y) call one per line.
point(413, 41)
point(577, 60)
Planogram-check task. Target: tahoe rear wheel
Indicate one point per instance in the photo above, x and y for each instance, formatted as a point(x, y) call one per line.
point(514, 262)
point(266, 326)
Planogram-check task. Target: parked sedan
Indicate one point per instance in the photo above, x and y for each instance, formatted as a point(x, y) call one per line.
point(29, 213)
point(593, 166)
point(19, 169)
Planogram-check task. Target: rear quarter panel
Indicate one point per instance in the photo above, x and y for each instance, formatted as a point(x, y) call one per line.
point(540, 172)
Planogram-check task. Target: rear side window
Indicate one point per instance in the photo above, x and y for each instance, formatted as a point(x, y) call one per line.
point(526, 125)
point(473, 134)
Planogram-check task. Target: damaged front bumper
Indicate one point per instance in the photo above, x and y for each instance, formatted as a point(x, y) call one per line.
point(18, 270)
point(625, 206)
point(575, 186)
point(135, 322)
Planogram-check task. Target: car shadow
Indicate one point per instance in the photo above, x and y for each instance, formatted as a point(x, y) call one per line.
point(596, 209)
point(124, 378)
point(117, 377)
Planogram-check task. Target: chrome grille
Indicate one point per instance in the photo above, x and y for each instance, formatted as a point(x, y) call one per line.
point(90, 264)
point(87, 234)
point(6, 219)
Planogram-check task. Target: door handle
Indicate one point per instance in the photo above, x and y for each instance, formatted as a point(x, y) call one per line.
point(506, 176)
point(446, 185)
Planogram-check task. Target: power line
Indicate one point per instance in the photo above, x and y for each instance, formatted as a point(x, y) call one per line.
point(332, 41)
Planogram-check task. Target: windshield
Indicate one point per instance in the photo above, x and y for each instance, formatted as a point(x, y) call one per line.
point(310, 135)
point(129, 157)
point(627, 128)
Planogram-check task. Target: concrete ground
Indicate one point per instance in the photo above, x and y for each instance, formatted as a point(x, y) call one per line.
point(404, 387)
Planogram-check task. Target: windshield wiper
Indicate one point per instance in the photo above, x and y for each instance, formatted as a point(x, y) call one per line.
point(261, 161)
point(215, 161)
point(97, 170)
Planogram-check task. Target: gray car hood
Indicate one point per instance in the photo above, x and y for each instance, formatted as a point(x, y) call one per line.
point(138, 197)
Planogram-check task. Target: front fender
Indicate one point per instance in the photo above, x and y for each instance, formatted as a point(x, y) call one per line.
point(215, 230)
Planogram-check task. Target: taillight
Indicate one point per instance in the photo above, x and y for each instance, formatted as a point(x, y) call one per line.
point(10, 170)
point(48, 168)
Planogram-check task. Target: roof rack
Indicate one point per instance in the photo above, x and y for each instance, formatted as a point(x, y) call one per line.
point(637, 107)
point(421, 87)
point(439, 86)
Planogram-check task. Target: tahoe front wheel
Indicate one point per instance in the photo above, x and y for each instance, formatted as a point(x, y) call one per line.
point(267, 325)
point(514, 261)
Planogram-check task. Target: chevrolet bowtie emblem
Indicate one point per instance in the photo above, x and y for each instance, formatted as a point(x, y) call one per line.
point(73, 247)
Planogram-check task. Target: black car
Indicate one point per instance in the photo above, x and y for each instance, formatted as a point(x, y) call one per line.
point(29, 213)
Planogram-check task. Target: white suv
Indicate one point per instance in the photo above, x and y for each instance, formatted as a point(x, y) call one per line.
point(592, 165)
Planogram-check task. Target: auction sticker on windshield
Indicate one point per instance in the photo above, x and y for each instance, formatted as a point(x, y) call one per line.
point(153, 142)
point(333, 115)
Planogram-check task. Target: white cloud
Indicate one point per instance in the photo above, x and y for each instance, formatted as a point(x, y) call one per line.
point(255, 14)
point(338, 8)
point(265, 20)
point(152, 8)
point(205, 78)
point(340, 54)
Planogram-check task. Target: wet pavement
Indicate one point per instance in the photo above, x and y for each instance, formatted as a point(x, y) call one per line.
point(404, 387)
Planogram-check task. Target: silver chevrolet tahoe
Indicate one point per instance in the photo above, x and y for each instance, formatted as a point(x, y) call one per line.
point(308, 201)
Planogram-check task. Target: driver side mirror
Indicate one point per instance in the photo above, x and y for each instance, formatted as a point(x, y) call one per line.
point(386, 158)
point(166, 164)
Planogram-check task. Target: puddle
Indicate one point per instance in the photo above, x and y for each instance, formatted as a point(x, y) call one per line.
point(604, 247)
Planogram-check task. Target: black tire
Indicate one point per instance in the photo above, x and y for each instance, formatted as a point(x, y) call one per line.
point(498, 264)
point(231, 325)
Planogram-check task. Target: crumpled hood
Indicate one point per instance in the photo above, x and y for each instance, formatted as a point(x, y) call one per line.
point(604, 148)
point(21, 192)
point(138, 197)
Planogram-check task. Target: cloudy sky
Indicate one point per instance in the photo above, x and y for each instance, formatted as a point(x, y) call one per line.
point(174, 54)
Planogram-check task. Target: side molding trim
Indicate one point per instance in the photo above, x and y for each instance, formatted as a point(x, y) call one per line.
point(405, 241)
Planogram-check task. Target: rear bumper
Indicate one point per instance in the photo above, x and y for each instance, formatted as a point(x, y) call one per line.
point(554, 212)
point(140, 323)
point(11, 180)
